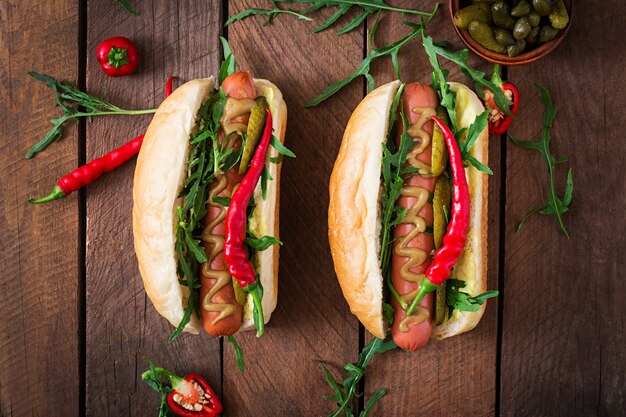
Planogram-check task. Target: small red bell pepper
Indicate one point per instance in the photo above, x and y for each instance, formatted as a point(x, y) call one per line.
point(118, 56)
point(190, 396)
point(498, 121)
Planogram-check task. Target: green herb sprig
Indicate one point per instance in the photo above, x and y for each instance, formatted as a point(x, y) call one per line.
point(238, 352)
point(363, 69)
point(346, 392)
point(69, 99)
point(127, 6)
point(153, 379)
point(367, 7)
point(554, 205)
point(460, 300)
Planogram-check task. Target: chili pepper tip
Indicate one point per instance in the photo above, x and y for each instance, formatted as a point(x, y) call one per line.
point(56, 194)
point(425, 287)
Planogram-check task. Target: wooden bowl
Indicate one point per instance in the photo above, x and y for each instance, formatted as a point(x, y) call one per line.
point(503, 59)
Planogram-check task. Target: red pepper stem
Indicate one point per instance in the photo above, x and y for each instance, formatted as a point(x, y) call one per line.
point(425, 287)
point(117, 57)
point(56, 194)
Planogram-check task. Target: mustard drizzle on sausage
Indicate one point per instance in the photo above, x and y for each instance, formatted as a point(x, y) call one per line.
point(416, 256)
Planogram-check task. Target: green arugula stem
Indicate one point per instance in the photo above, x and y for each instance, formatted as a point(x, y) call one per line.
point(383, 6)
point(259, 318)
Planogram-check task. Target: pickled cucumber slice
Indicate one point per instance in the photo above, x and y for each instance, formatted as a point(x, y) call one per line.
point(253, 133)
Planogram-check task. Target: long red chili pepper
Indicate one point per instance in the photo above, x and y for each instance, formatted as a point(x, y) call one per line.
point(90, 172)
point(454, 240)
point(235, 225)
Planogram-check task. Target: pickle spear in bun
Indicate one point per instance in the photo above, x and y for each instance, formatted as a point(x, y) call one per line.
point(207, 182)
point(393, 193)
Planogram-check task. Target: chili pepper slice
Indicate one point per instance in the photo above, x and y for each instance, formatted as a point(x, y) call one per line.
point(118, 56)
point(90, 172)
point(454, 240)
point(235, 225)
point(498, 121)
point(168, 86)
point(190, 396)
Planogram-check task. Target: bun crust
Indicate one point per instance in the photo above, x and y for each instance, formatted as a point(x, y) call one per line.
point(159, 177)
point(354, 212)
point(354, 209)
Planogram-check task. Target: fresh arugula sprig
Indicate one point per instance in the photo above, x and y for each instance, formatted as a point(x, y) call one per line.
point(269, 13)
point(154, 381)
point(346, 392)
point(238, 352)
point(367, 7)
point(127, 6)
point(460, 59)
point(363, 69)
point(70, 99)
point(447, 98)
point(282, 151)
point(554, 205)
point(460, 300)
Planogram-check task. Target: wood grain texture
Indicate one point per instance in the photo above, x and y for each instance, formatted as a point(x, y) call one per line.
point(563, 347)
point(311, 321)
point(40, 278)
point(442, 379)
point(123, 328)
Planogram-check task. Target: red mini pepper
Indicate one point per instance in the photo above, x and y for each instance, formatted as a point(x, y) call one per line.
point(498, 121)
point(118, 56)
point(190, 396)
point(454, 240)
point(90, 172)
point(235, 225)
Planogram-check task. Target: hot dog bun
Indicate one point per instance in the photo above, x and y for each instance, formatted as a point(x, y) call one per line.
point(354, 213)
point(159, 176)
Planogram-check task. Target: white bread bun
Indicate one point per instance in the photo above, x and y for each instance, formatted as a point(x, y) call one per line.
point(354, 212)
point(159, 177)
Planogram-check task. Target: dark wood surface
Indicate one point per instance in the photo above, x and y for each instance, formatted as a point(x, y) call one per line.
point(77, 329)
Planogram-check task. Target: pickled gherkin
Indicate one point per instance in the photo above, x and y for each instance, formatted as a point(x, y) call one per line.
point(558, 16)
point(483, 34)
point(253, 133)
point(439, 157)
point(516, 49)
point(533, 36)
point(547, 33)
point(501, 14)
point(522, 9)
point(240, 294)
point(441, 207)
point(478, 11)
point(542, 7)
point(534, 18)
point(504, 37)
point(522, 28)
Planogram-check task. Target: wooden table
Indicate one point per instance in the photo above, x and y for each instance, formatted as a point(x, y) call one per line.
point(77, 329)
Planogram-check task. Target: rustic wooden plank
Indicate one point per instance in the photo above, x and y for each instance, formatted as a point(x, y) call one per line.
point(123, 329)
point(456, 376)
point(40, 277)
point(563, 349)
point(311, 321)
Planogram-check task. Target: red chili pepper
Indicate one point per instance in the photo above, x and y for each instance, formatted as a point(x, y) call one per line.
point(168, 86)
point(90, 172)
point(454, 240)
point(235, 226)
point(498, 121)
point(234, 252)
point(190, 396)
point(118, 56)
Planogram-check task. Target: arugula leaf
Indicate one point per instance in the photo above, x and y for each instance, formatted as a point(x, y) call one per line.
point(460, 300)
point(262, 243)
point(554, 205)
point(346, 392)
point(460, 59)
point(280, 148)
point(126, 5)
point(154, 381)
point(269, 13)
point(238, 352)
point(364, 67)
point(440, 82)
point(343, 6)
point(222, 201)
point(70, 99)
point(229, 65)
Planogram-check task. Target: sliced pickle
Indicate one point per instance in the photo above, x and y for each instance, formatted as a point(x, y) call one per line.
point(441, 208)
point(240, 294)
point(439, 158)
point(253, 133)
